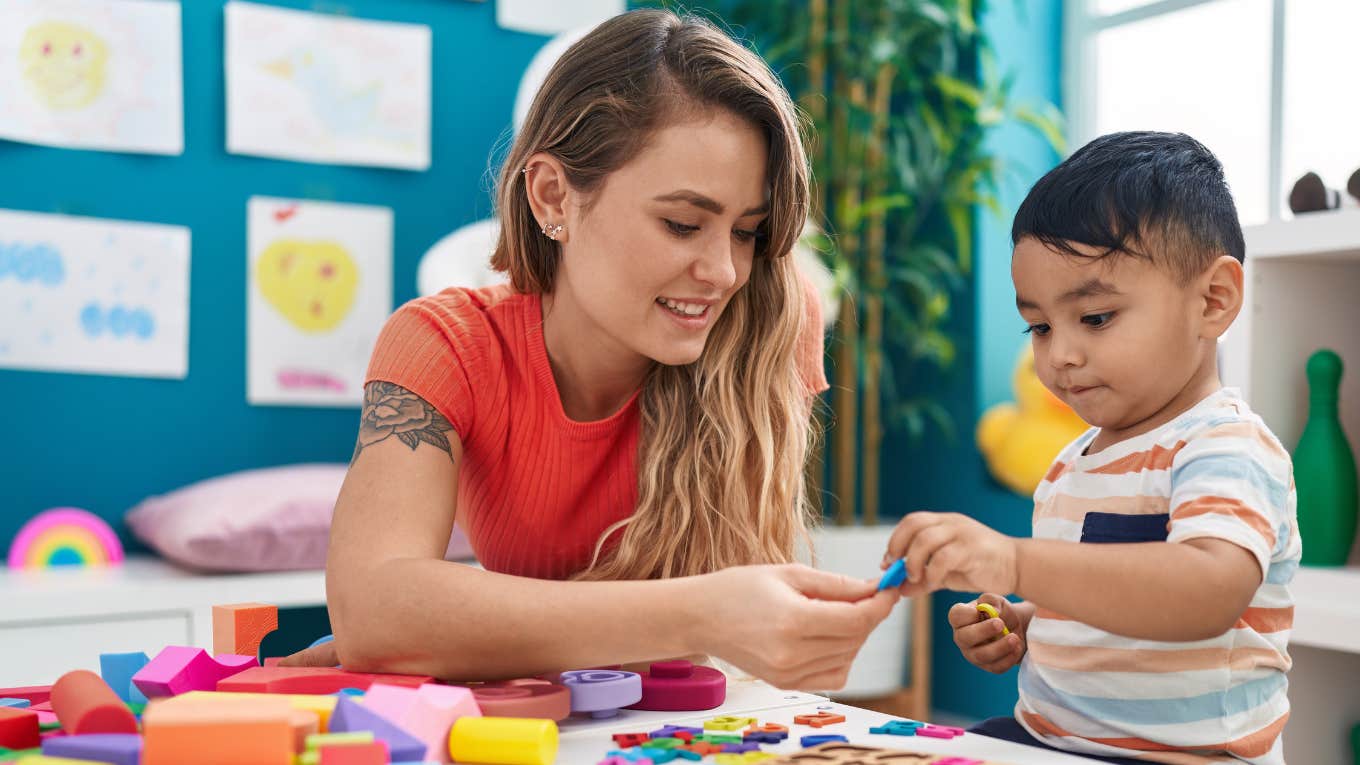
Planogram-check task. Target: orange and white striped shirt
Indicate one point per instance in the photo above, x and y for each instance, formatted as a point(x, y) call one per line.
point(1214, 471)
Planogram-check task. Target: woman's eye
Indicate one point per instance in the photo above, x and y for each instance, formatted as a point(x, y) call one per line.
point(1097, 320)
point(1037, 329)
point(745, 236)
point(680, 229)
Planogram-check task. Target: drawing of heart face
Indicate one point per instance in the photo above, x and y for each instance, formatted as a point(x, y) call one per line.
point(63, 63)
point(311, 283)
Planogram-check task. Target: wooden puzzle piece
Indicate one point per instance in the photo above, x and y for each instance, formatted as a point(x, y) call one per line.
point(854, 754)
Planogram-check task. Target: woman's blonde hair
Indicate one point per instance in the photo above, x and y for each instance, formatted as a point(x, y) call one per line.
point(725, 439)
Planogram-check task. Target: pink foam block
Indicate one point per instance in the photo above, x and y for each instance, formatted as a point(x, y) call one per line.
point(178, 669)
point(676, 686)
point(426, 712)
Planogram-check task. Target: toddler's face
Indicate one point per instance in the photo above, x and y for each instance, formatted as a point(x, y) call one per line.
point(1117, 338)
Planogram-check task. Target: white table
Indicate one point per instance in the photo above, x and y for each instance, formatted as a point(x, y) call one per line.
point(585, 741)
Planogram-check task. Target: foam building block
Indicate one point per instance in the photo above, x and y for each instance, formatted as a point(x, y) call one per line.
point(427, 712)
point(36, 694)
point(530, 697)
point(117, 670)
point(45, 760)
point(503, 741)
point(320, 706)
point(115, 748)
point(350, 716)
point(239, 628)
point(372, 753)
point(15, 703)
point(679, 686)
point(84, 703)
point(19, 728)
point(178, 669)
point(221, 731)
point(311, 680)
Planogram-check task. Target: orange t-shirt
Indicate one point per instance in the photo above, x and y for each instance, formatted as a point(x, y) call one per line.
point(535, 489)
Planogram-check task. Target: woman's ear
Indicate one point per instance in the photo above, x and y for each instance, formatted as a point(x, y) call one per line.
point(1222, 291)
point(545, 184)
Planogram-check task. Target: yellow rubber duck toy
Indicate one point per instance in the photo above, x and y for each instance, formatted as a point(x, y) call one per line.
point(1020, 440)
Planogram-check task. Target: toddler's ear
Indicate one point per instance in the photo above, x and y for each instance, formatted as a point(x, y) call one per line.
point(1221, 289)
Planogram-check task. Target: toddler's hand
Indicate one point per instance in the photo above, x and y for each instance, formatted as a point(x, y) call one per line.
point(979, 637)
point(949, 550)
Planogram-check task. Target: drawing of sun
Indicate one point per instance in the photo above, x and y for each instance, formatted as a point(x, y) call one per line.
point(311, 283)
point(63, 63)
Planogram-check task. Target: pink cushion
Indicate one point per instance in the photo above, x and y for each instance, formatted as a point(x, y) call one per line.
point(271, 519)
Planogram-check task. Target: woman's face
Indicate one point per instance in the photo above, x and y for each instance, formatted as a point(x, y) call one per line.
point(669, 238)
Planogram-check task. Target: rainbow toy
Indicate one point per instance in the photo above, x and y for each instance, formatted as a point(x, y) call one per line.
point(65, 536)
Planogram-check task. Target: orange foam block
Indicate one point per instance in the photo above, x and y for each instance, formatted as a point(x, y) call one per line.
point(84, 703)
point(239, 628)
point(179, 669)
point(19, 728)
point(321, 707)
point(311, 680)
point(427, 712)
point(223, 731)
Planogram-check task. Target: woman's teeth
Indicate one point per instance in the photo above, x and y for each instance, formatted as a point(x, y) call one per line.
point(684, 309)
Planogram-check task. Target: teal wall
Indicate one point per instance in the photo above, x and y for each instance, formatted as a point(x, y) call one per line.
point(944, 476)
point(103, 443)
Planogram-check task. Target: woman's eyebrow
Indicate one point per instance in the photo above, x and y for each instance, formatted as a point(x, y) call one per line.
point(707, 203)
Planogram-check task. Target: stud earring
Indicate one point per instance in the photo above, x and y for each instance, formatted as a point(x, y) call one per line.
point(552, 230)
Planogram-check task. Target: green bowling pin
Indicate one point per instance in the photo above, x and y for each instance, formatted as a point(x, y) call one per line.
point(1324, 470)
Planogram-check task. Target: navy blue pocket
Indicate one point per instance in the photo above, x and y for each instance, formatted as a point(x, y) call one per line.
point(1114, 527)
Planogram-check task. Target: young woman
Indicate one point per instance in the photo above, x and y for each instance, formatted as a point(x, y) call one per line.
point(622, 430)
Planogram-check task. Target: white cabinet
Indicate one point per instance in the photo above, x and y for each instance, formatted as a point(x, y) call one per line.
point(56, 620)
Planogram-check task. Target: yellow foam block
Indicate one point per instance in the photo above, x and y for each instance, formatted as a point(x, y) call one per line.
point(322, 706)
point(42, 759)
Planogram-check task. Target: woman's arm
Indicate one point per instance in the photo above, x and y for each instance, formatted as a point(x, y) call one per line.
point(396, 606)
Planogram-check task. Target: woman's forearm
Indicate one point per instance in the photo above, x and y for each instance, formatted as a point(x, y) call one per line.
point(452, 621)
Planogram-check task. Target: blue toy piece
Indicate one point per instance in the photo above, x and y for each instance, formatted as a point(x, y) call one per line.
point(15, 703)
point(117, 670)
point(808, 741)
point(894, 576)
point(898, 728)
point(322, 641)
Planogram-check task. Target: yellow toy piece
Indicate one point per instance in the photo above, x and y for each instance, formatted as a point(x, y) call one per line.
point(990, 612)
point(728, 723)
point(1021, 440)
point(311, 284)
point(63, 63)
point(503, 740)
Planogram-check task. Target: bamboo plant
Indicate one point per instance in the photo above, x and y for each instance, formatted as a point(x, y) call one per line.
point(899, 95)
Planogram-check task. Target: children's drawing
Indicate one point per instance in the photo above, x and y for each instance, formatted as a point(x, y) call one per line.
point(323, 88)
point(549, 17)
point(320, 289)
point(97, 74)
point(94, 296)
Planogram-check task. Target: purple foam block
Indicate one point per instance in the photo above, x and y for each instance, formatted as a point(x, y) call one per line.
point(739, 748)
point(669, 731)
point(350, 716)
point(116, 748)
point(764, 736)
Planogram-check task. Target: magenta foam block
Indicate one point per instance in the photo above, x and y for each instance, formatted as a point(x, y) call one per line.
point(679, 686)
point(178, 669)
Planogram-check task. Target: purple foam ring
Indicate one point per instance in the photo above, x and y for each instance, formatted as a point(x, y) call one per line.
point(602, 692)
point(739, 748)
point(679, 686)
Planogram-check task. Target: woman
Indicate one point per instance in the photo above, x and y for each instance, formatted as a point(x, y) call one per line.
point(622, 431)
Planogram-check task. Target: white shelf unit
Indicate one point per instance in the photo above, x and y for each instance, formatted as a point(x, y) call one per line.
point(1302, 294)
point(56, 620)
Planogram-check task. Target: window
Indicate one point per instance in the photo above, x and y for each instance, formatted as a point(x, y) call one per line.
point(1265, 84)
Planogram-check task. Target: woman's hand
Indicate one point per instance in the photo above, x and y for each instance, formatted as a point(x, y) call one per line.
point(790, 625)
point(980, 637)
point(323, 655)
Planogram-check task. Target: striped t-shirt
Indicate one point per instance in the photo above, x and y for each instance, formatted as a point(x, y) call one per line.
point(1215, 471)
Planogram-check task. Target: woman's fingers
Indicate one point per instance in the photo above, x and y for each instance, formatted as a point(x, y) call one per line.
point(323, 655)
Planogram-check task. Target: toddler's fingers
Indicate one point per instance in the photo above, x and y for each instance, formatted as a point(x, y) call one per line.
point(1008, 659)
point(994, 651)
point(979, 634)
point(963, 614)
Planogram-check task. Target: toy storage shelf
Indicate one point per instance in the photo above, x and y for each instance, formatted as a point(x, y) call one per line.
point(1302, 294)
point(56, 620)
point(1327, 608)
